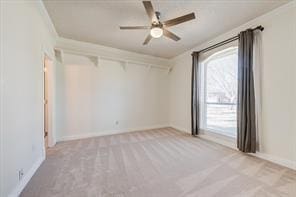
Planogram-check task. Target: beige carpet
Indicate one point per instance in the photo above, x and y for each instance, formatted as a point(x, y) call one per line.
point(162, 162)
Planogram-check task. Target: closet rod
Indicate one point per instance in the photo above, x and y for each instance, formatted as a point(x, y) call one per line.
point(74, 52)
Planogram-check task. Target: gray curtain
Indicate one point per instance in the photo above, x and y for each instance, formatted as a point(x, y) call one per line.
point(195, 95)
point(246, 128)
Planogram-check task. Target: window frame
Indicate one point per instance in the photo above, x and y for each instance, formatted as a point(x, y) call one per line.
point(203, 91)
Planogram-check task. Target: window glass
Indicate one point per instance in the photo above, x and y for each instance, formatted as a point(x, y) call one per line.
point(220, 92)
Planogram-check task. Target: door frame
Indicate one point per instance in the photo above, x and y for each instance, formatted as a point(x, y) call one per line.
point(50, 101)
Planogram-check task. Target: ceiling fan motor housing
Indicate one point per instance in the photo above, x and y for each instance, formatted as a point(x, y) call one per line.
point(157, 28)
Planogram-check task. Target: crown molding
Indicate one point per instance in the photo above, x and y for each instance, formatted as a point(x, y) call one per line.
point(47, 19)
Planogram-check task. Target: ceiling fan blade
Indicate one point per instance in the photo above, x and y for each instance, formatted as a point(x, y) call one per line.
point(150, 11)
point(148, 38)
point(134, 27)
point(170, 35)
point(179, 20)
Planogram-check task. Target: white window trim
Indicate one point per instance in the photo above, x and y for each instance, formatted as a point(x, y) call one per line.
point(207, 132)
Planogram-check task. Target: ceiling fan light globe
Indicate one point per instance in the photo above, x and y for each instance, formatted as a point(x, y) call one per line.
point(156, 32)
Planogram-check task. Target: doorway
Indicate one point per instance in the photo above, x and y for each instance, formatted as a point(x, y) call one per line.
point(47, 95)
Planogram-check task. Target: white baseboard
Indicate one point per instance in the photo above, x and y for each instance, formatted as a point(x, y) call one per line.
point(280, 161)
point(22, 184)
point(277, 160)
point(180, 128)
point(104, 133)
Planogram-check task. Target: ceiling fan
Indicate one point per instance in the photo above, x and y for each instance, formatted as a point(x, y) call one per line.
point(158, 28)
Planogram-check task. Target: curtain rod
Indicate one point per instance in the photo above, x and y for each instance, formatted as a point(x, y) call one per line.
point(226, 41)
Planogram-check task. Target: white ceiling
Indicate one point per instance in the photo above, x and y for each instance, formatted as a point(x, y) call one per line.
point(98, 21)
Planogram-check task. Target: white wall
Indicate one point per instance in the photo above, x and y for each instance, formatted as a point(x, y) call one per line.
point(93, 98)
point(25, 37)
point(278, 83)
point(1, 99)
point(180, 93)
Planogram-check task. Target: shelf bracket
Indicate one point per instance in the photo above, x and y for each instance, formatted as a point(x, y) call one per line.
point(170, 69)
point(59, 54)
point(95, 60)
point(124, 65)
point(149, 67)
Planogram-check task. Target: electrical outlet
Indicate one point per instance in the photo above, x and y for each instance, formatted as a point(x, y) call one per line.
point(21, 174)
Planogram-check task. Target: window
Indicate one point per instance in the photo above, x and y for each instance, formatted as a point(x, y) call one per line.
point(219, 92)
